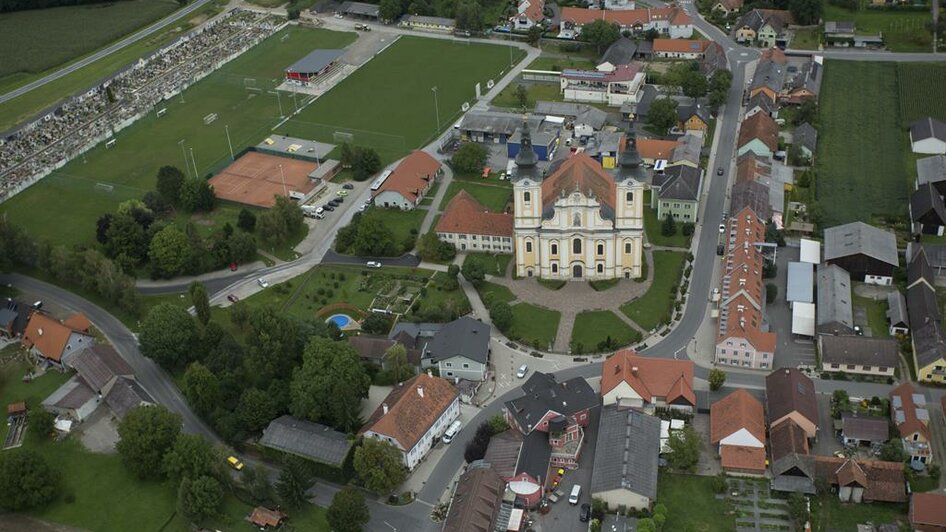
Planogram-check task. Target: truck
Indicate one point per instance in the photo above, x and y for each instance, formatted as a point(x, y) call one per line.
point(313, 212)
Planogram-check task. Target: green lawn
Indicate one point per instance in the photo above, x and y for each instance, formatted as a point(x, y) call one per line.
point(806, 39)
point(691, 504)
point(131, 165)
point(494, 293)
point(403, 224)
point(594, 327)
point(438, 297)
point(829, 514)
point(404, 73)
point(921, 86)
point(533, 325)
point(494, 264)
point(850, 167)
point(656, 305)
point(493, 197)
point(554, 63)
point(15, 390)
point(653, 225)
point(545, 91)
point(876, 315)
point(904, 31)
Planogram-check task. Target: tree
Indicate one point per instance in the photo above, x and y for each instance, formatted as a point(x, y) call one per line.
point(721, 81)
point(431, 248)
point(169, 252)
point(379, 465)
point(292, 13)
point(390, 10)
point(498, 423)
point(473, 271)
point(376, 323)
point(197, 195)
point(685, 446)
point(470, 158)
point(170, 182)
point(646, 525)
point(806, 12)
point(125, 236)
point(476, 448)
point(771, 292)
point(534, 35)
point(26, 480)
point(256, 409)
point(717, 378)
point(669, 226)
point(662, 114)
point(330, 384)
point(469, 16)
point(246, 220)
point(155, 202)
point(365, 163)
point(199, 498)
point(500, 313)
point(256, 482)
point(201, 388)
point(522, 96)
point(694, 84)
point(146, 434)
point(807, 112)
point(168, 335)
point(396, 360)
point(200, 301)
point(600, 33)
point(769, 270)
point(101, 227)
point(892, 451)
point(192, 456)
point(279, 223)
point(798, 509)
point(291, 487)
point(42, 423)
point(348, 512)
point(373, 238)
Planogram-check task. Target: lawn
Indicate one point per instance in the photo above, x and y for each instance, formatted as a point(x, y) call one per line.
point(850, 166)
point(436, 296)
point(904, 31)
point(494, 293)
point(494, 197)
point(405, 72)
point(544, 91)
point(653, 226)
point(15, 390)
point(829, 514)
point(921, 91)
point(131, 165)
point(12, 112)
point(555, 63)
point(404, 224)
point(494, 264)
point(656, 305)
point(806, 39)
point(691, 504)
point(876, 315)
point(533, 325)
point(597, 326)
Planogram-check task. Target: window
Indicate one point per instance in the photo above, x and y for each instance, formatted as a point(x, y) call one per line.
point(554, 267)
point(629, 197)
point(554, 249)
point(466, 366)
point(576, 246)
point(850, 366)
point(472, 237)
point(722, 351)
point(600, 268)
point(627, 247)
point(528, 246)
point(527, 197)
point(865, 368)
point(600, 249)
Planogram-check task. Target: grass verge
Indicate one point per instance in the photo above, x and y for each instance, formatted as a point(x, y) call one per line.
point(655, 306)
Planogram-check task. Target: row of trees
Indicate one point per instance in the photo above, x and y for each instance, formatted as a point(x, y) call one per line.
point(470, 15)
point(364, 162)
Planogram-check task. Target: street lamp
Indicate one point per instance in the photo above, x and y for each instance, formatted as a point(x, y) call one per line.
point(193, 160)
point(187, 167)
point(227, 129)
point(436, 107)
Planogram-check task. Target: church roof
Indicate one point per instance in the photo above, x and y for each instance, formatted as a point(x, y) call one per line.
point(583, 174)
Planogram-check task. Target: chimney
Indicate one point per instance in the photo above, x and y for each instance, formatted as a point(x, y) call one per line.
point(420, 391)
point(40, 330)
point(617, 369)
point(385, 407)
point(634, 370)
point(430, 373)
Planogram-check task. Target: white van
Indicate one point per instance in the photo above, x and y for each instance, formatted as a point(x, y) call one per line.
point(576, 493)
point(452, 431)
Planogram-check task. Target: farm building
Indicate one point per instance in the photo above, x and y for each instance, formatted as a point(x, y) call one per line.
point(928, 135)
point(409, 182)
point(869, 254)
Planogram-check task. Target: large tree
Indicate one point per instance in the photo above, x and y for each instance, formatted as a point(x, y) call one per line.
point(685, 446)
point(280, 222)
point(348, 512)
point(190, 457)
point(197, 195)
point(379, 465)
point(662, 114)
point(373, 238)
point(274, 344)
point(292, 485)
point(199, 498)
point(168, 335)
point(169, 252)
point(470, 158)
point(200, 301)
point(330, 384)
point(125, 236)
point(717, 378)
point(469, 15)
point(600, 33)
point(500, 313)
point(256, 409)
point(365, 163)
point(202, 388)
point(146, 434)
point(694, 84)
point(170, 181)
point(395, 359)
point(390, 10)
point(26, 480)
point(806, 12)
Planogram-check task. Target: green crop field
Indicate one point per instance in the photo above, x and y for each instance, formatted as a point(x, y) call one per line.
point(37, 39)
point(922, 89)
point(132, 163)
point(389, 103)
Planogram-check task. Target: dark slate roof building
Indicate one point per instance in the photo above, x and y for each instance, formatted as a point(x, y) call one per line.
point(809, 77)
point(865, 251)
point(626, 453)
point(788, 390)
point(753, 195)
point(476, 501)
point(932, 170)
point(126, 395)
point(927, 211)
point(316, 61)
point(543, 395)
point(806, 136)
point(919, 270)
point(679, 182)
point(621, 52)
point(897, 311)
point(309, 440)
point(864, 428)
point(714, 58)
point(14, 315)
point(769, 74)
point(463, 337)
point(98, 365)
point(763, 102)
point(503, 451)
point(858, 351)
point(927, 128)
point(835, 314)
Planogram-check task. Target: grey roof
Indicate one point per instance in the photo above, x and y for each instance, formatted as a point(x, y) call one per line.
point(679, 182)
point(936, 254)
point(688, 149)
point(502, 454)
point(534, 456)
point(307, 439)
point(763, 102)
point(928, 342)
point(897, 309)
point(649, 93)
point(316, 60)
point(809, 77)
point(360, 8)
point(415, 330)
point(754, 20)
point(926, 128)
point(21, 314)
point(73, 394)
point(838, 26)
point(751, 194)
point(801, 282)
point(834, 311)
point(464, 337)
point(495, 122)
point(627, 452)
point(543, 394)
point(859, 238)
point(422, 19)
point(925, 201)
point(931, 169)
point(919, 269)
point(621, 52)
point(769, 74)
point(99, 364)
point(806, 135)
point(859, 350)
point(125, 395)
point(714, 58)
point(7, 318)
point(922, 306)
point(582, 114)
point(684, 112)
point(865, 428)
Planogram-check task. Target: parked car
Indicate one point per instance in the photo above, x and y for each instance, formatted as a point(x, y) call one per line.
point(585, 514)
point(341, 199)
point(722, 228)
point(521, 372)
point(720, 250)
point(232, 298)
point(575, 494)
point(328, 207)
point(373, 264)
point(235, 463)
point(348, 186)
point(341, 193)
point(334, 202)
point(262, 282)
point(233, 266)
point(363, 208)
point(719, 171)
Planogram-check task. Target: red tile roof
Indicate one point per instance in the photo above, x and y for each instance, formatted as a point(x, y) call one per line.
point(656, 149)
point(928, 509)
point(264, 517)
point(579, 173)
point(774, 54)
point(625, 18)
point(750, 167)
point(466, 215)
point(787, 438)
point(742, 457)
point(759, 126)
point(620, 73)
point(680, 45)
point(738, 410)
point(911, 423)
point(882, 481)
point(78, 322)
point(650, 377)
point(47, 335)
point(412, 175)
point(534, 10)
point(410, 414)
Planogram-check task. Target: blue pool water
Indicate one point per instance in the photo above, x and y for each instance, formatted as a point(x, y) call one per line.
point(341, 320)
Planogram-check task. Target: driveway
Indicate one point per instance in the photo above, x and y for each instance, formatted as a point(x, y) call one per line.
point(792, 350)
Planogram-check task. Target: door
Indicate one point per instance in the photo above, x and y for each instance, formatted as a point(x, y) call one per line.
point(576, 271)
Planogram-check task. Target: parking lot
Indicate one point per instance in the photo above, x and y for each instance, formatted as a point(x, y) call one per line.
point(792, 350)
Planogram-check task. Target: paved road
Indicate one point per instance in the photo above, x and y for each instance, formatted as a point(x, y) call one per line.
point(135, 37)
point(406, 260)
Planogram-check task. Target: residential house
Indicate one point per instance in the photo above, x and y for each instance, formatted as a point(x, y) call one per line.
point(73, 400)
point(477, 500)
point(759, 135)
point(928, 135)
point(459, 350)
point(714, 59)
point(409, 182)
point(312, 441)
point(126, 395)
point(761, 103)
point(630, 380)
point(787, 438)
point(688, 150)
point(897, 316)
point(859, 355)
point(616, 87)
point(927, 211)
point(425, 23)
point(909, 413)
point(677, 192)
point(806, 84)
point(923, 310)
point(805, 137)
point(621, 52)
point(626, 458)
point(653, 150)
point(528, 13)
point(789, 394)
point(52, 341)
point(374, 349)
point(932, 170)
point(737, 429)
point(560, 410)
point(100, 367)
point(862, 481)
point(764, 27)
point(839, 32)
point(751, 195)
point(870, 431)
point(868, 253)
point(14, 315)
point(928, 512)
point(742, 338)
point(680, 48)
point(265, 518)
point(835, 313)
point(769, 74)
point(470, 226)
point(414, 416)
point(671, 21)
point(693, 118)
point(728, 7)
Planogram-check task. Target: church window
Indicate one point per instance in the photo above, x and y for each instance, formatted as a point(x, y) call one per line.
point(527, 197)
point(629, 197)
point(576, 245)
point(554, 249)
point(528, 246)
point(577, 219)
point(554, 267)
point(627, 247)
point(600, 268)
point(600, 249)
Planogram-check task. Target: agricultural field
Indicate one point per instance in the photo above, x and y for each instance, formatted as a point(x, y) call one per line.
point(405, 72)
point(905, 31)
point(921, 91)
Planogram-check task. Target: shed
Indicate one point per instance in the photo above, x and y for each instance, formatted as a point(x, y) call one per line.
point(803, 319)
point(306, 439)
point(897, 316)
point(801, 283)
point(863, 430)
point(810, 251)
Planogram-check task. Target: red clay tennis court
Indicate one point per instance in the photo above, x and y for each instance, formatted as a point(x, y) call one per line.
point(256, 179)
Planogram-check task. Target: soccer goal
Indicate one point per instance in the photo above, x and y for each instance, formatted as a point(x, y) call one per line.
point(343, 136)
point(209, 119)
point(104, 187)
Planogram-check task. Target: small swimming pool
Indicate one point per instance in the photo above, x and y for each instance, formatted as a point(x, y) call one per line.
point(340, 320)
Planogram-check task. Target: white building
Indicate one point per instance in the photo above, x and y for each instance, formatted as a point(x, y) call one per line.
point(928, 135)
point(616, 87)
point(409, 182)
